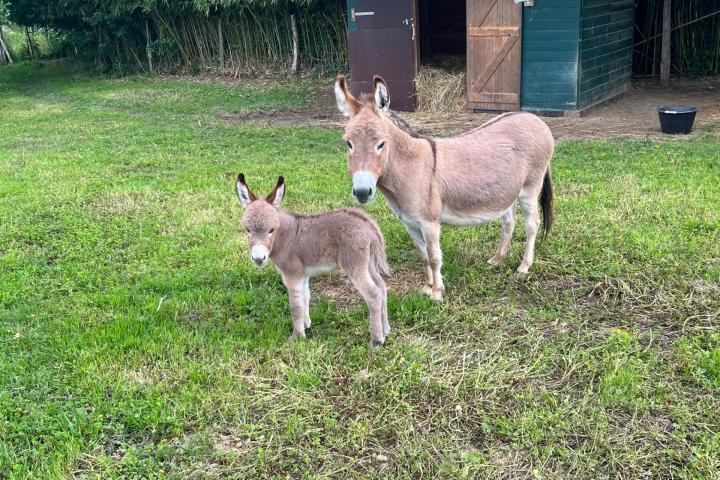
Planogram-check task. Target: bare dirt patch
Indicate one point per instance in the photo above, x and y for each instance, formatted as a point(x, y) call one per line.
point(339, 289)
point(631, 115)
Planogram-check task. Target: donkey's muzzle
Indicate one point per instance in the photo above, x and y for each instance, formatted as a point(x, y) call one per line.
point(364, 186)
point(362, 195)
point(259, 255)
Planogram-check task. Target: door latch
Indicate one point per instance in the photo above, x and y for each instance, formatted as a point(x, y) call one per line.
point(354, 14)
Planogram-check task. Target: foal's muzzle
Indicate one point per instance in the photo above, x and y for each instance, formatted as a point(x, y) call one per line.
point(259, 255)
point(364, 186)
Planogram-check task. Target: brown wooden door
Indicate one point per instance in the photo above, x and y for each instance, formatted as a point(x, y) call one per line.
point(493, 54)
point(382, 40)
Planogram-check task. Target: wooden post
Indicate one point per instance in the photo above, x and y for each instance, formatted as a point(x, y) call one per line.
point(666, 46)
point(147, 46)
point(221, 46)
point(28, 42)
point(4, 53)
point(296, 46)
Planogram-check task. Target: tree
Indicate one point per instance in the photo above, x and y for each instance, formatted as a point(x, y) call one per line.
point(4, 15)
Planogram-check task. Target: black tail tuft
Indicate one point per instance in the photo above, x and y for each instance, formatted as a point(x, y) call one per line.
point(546, 203)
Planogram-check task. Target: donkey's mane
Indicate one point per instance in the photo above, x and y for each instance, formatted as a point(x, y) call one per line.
point(392, 115)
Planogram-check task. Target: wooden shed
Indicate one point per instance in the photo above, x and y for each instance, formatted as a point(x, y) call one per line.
point(549, 56)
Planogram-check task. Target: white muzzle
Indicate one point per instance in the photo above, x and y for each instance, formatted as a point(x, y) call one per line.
point(364, 186)
point(259, 255)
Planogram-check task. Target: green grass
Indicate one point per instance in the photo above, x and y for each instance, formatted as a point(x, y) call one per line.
point(136, 341)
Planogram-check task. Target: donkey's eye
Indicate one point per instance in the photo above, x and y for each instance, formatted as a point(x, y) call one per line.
point(271, 230)
point(349, 144)
point(247, 230)
point(380, 146)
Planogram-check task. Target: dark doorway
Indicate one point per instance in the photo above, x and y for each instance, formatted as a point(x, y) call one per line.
point(442, 28)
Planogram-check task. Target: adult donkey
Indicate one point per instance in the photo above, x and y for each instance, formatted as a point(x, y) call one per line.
point(470, 179)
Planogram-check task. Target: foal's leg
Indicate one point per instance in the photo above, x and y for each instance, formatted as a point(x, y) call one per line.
point(508, 225)
point(431, 232)
point(419, 241)
point(296, 294)
point(360, 277)
point(377, 278)
point(529, 207)
point(306, 295)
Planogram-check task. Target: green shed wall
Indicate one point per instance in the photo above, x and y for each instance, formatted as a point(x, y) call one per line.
point(606, 43)
point(550, 33)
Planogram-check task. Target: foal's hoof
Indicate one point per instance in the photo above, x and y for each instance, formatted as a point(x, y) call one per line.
point(427, 290)
point(437, 295)
point(295, 337)
point(376, 343)
point(522, 273)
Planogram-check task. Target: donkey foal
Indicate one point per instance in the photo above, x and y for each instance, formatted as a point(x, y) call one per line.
point(302, 246)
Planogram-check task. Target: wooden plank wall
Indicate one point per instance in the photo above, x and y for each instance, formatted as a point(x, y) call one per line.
point(550, 55)
point(606, 43)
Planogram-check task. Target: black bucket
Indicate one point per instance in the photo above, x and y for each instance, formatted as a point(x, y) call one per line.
point(676, 119)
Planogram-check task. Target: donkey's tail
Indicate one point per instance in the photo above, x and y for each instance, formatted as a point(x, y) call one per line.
point(546, 202)
point(377, 250)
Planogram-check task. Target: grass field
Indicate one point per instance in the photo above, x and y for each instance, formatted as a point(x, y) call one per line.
point(136, 340)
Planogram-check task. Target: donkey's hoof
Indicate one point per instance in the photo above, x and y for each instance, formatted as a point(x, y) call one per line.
point(495, 261)
point(522, 272)
point(427, 290)
point(386, 331)
point(295, 337)
point(437, 295)
point(375, 343)
point(307, 323)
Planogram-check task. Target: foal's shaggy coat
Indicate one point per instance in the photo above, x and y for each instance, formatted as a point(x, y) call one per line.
point(302, 246)
point(470, 179)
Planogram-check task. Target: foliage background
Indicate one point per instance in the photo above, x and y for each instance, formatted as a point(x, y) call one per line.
point(184, 35)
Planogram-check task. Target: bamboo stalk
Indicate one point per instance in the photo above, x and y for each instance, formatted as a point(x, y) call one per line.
point(221, 45)
point(28, 42)
point(296, 46)
point(148, 48)
point(665, 54)
point(4, 53)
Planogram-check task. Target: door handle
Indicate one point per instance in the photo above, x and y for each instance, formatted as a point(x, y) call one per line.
point(354, 14)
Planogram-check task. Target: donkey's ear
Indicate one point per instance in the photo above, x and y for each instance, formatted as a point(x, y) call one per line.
point(276, 196)
point(380, 92)
point(243, 191)
point(346, 103)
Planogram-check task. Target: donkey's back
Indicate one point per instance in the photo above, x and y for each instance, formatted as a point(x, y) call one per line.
point(514, 144)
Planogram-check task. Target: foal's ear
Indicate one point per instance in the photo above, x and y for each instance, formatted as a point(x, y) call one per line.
point(380, 92)
point(243, 191)
point(276, 196)
point(346, 103)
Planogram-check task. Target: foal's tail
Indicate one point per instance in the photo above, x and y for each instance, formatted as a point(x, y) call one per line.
point(377, 250)
point(546, 202)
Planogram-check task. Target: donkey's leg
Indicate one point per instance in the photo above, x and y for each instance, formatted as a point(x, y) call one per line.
point(360, 277)
point(431, 232)
point(508, 225)
point(377, 278)
point(419, 241)
point(529, 207)
point(306, 295)
point(296, 294)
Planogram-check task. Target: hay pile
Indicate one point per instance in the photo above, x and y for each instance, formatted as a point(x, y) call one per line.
point(441, 89)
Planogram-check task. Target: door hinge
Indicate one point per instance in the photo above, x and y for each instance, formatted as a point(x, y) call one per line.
point(354, 14)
